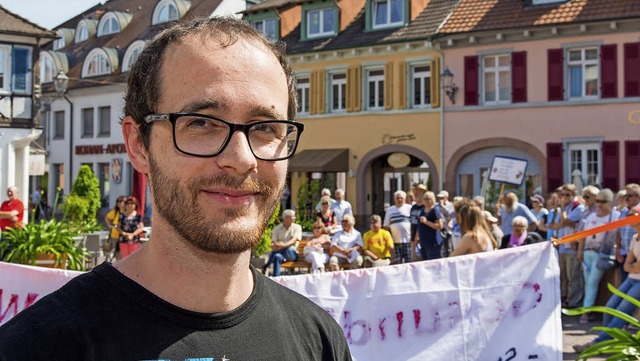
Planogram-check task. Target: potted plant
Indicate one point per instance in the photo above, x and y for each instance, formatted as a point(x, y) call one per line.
point(47, 240)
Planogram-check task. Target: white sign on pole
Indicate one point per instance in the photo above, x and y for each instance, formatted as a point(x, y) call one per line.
point(508, 170)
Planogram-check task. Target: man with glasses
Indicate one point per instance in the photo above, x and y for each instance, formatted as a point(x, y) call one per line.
point(624, 234)
point(565, 223)
point(209, 119)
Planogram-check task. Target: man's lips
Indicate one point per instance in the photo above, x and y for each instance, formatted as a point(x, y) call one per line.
point(231, 196)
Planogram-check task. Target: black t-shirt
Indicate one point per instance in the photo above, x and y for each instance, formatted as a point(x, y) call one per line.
point(104, 315)
point(428, 234)
point(416, 209)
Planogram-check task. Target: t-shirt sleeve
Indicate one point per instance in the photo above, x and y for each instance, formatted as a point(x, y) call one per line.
point(359, 240)
point(576, 214)
point(297, 232)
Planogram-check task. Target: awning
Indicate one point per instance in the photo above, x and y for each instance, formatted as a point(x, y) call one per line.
point(320, 160)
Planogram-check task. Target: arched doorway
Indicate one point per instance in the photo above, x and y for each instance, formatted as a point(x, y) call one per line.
point(386, 169)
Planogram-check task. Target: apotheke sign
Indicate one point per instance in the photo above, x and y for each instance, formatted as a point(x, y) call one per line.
point(101, 149)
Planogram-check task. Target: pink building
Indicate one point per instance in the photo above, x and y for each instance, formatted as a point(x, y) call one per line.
point(554, 82)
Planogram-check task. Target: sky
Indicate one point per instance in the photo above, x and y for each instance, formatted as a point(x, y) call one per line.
point(48, 13)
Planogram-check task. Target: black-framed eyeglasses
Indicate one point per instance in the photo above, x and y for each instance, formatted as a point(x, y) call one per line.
point(206, 136)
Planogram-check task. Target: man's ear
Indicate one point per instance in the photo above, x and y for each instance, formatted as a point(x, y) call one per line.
point(138, 154)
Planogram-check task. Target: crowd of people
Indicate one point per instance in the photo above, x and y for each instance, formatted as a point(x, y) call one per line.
point(421, 225)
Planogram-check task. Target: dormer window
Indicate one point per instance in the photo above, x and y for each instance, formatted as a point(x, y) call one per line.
point(48, 68)
point(321, 22)
point(86, 28)
point(130, 57)
point(108, 25)
point(100, 61)
point(170, 10)
point(387, 13)
point(65, 37)
point(267, 26)
point(547, 2)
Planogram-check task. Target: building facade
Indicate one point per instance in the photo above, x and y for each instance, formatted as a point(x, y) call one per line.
point(95, 50)
point(20, 42)
point(369, 93)
point(556, 83)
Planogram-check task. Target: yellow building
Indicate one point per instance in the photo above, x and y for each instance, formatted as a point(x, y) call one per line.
point(369, 94)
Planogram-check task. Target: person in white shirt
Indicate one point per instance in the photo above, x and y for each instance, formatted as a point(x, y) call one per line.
point(397, 220)
point(347, 245)
point(285, 238)
point(340, 207)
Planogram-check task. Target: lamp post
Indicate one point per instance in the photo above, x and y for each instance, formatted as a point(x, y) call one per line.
point(61, 82)
point(450, 88)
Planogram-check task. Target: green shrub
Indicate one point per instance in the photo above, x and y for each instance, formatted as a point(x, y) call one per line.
point(83, 202)
point(265, 240)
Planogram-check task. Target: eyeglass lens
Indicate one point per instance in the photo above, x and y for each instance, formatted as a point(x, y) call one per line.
point(205, 136)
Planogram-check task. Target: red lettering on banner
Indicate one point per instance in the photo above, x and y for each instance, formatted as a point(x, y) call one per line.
point(13, 304)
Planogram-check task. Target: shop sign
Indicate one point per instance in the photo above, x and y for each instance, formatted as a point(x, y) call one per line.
point(101, 149)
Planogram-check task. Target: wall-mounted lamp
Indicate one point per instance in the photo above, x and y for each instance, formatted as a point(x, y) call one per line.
point(450, 88)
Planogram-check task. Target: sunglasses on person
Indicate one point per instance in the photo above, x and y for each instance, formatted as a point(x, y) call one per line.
point(601, 201)
point(631, 195)
point(566, 194)
point(586, 196)
point(317, 227)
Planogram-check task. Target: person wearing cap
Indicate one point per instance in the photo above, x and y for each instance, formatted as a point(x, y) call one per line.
point(541, 213)
point(443, 200)
point(378, 244)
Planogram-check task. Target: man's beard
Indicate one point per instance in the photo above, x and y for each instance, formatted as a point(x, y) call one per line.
point(176, 201)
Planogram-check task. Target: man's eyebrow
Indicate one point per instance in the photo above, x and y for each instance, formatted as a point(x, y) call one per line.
point(266, 112)
point(211, 104)
point(198, 105)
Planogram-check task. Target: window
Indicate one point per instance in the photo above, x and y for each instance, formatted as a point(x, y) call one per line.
point(87, 122)
point(132, 54)
point(105, 121)
point(21, 70)
point(165, 11)
point(105, 185)
point(302, 89)
point(585, 157)
point(58, 176)
point(96, 64)
point(545, 2)
point(82, 32)
point(338, 92)
point(58, 125)
point(421, 85)
point(375, 89)
point(321, 22)
point(108, 25)
point(496, 77)
point(60, 41)
point(387, 13)
point(5, 66)
point(583, 71)
point(48, 69)
point(267, 26)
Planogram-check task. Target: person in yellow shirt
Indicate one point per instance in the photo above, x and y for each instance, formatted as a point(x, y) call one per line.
point(378, 244)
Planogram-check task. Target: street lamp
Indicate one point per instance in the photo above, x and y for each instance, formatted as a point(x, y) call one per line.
point(450, 88)
point(61, 82)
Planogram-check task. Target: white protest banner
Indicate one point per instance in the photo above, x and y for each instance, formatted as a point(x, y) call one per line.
point(501, 305)
point(21, 286)
point(508, 170)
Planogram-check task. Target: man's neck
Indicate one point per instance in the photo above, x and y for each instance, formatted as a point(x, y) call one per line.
point(187, 277)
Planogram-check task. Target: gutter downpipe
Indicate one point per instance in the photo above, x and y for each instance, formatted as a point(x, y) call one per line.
point(442, 100)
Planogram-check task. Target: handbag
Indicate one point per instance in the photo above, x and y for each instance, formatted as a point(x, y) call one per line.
point(606, 259)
